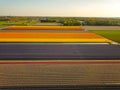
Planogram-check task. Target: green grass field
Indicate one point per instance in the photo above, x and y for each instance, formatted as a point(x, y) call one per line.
point(17, 23)
point(110, 34)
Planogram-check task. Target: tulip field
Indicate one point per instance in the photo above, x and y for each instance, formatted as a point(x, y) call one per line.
point(44, 28)
point(76, 37)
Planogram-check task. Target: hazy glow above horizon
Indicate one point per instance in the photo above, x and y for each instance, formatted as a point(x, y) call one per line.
point(85, 8)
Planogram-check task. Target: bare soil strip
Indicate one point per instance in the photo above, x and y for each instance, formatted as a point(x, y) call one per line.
point(59, 75)
point(102, 27)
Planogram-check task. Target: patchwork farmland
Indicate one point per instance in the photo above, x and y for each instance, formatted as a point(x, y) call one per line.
point(71, 37)
point(47, 57)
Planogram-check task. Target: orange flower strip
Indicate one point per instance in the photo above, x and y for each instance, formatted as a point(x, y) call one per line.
point(51, 37)
point(44, 28)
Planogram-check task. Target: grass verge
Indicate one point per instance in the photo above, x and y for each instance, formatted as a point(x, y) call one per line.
point(110, 34)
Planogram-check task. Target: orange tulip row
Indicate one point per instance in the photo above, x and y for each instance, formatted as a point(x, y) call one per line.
point(44, 28)
point(51, 37)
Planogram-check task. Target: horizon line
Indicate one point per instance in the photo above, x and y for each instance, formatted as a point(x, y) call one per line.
point(54, 16)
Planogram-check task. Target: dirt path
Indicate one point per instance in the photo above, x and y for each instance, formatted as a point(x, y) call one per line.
point(102, 27)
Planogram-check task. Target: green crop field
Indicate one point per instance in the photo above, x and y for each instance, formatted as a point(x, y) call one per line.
point(110, 34)
point(17, 23)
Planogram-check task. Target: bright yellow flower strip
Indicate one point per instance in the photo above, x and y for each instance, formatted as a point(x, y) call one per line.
point(51, 37)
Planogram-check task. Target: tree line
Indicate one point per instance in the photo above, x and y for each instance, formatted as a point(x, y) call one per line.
point(68, 21)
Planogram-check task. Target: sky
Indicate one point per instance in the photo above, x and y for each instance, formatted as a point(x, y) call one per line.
point(72, 8)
